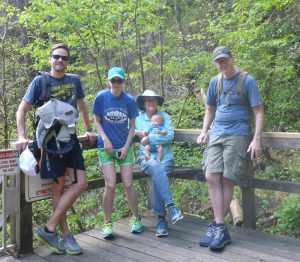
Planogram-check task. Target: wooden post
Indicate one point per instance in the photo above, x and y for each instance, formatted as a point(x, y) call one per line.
point(26, 244)
point(248, 201)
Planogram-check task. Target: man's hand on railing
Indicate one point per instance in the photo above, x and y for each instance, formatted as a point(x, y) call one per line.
point(91, 137)
point(21, 143)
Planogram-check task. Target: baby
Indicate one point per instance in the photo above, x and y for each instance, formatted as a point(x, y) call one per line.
point(156, 128)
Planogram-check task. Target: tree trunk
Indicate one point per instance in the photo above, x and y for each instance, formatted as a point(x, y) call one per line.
point(139, 49)
point(161, 44)
point(177, 11)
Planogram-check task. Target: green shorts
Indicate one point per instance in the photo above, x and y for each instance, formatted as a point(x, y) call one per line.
point(227, 155)
point(105, 158)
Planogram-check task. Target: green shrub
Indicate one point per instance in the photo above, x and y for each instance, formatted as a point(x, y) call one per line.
point(288, 217)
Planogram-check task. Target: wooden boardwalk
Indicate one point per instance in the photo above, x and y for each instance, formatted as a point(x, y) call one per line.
point(180, 245)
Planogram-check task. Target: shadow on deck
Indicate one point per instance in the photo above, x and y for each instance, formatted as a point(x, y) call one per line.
point(180, 245)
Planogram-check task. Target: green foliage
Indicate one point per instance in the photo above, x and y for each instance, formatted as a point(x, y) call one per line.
point(192, 113)
point(91, 161)
point(41, 211)
point(173, 39)
point(284, 166)
point(288, 217)
point(192, 198)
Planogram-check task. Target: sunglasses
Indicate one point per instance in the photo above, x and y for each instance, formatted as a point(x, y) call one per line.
point(62, 57)
point(119, 81)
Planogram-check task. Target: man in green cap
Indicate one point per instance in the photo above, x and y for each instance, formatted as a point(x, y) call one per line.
point(231, 145)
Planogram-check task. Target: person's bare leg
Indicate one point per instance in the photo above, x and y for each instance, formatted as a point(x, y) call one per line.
point(227, 188)
point(159, 153)
point(109, 173)
point(127, 178)
point(57, 191)
point(216, 195)
point(147, 152)
point(67, 199)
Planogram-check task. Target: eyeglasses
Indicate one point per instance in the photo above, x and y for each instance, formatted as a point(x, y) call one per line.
point(119, 81)
point(62, 57)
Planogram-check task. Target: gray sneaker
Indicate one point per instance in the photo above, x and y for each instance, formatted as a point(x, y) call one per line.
point(50, 240)
point(71, 245)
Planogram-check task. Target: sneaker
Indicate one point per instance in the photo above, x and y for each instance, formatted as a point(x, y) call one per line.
point(108, 231)
point(50, 240)
point(209, 236)
point(161, 227)
point(136, 225)
point(71, 245)
point(221, 238)
point(175, 214)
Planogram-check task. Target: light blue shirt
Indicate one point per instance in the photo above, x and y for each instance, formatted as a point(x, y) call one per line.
point(143, 123)
point(233, 117)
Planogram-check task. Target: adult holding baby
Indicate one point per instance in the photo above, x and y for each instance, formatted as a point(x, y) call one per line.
point(158, 170)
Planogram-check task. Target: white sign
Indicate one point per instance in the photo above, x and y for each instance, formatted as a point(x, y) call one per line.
point(9, 163)
point(38, 189)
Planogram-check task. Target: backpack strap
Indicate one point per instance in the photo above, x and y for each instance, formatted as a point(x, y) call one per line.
point(241, 78)
point(45, 93)
point(220, 85)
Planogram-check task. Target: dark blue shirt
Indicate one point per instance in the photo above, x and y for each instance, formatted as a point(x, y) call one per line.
point(67, 89)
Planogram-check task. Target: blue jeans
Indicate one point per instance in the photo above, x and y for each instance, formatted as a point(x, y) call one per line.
point(161, 193)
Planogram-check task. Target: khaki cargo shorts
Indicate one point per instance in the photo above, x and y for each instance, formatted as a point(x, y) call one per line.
point(227, 155)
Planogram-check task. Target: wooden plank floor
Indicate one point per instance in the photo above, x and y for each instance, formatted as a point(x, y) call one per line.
point(180, 245)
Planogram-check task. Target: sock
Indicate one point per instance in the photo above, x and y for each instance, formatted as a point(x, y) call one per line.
point(170, 205)
point(220, 225)
point(47, 230)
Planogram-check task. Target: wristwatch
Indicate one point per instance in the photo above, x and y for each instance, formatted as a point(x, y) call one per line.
point(89, 130)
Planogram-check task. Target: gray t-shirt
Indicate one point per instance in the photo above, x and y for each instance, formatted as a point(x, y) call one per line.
point(233, 116)
point(67, 89)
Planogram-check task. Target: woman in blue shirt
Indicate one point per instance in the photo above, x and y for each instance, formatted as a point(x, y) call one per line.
point(158, 170)
point(115, 112)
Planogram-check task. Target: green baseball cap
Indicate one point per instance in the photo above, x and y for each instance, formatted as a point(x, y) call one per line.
point(116, 72)
point(221, 51)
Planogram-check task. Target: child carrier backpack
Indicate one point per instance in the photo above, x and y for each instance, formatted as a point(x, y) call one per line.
point(55, 123)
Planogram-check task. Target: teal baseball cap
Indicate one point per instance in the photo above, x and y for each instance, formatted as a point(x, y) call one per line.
point(116, 72)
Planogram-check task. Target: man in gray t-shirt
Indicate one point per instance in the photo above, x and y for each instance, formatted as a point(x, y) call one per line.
point(230, 142)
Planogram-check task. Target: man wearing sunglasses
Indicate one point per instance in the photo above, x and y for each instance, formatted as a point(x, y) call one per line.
point(66, 88)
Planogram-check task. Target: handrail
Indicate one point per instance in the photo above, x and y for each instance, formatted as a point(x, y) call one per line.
point(278, 140)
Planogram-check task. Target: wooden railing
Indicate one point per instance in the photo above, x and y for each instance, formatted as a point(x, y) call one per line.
point(248, 184)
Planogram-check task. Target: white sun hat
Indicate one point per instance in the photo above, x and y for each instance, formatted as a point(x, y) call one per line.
point(148, 93)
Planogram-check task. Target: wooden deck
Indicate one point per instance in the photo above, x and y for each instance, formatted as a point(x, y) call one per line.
point(180, 245)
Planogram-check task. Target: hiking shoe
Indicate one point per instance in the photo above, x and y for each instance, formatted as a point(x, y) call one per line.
point(136, 225)
point(50, 240)
point(209, 236)
point(221, 238)
point(175, 214)
point(71, 245)
point(161, 227)
point(108, 231)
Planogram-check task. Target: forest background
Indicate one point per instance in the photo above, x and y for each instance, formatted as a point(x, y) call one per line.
point(165, 46)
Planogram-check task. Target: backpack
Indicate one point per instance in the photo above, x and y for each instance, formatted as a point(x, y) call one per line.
point(55, 120)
